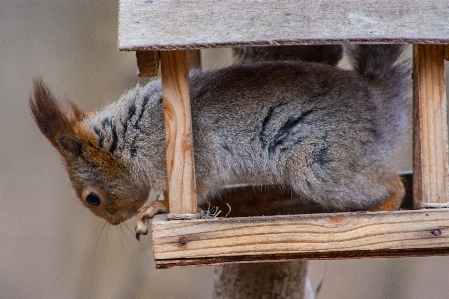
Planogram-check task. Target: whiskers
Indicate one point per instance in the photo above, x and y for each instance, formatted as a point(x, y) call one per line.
point(108, 239)
point(127, 227)
point(122, 236)
point(102, 240)
point(106, 226)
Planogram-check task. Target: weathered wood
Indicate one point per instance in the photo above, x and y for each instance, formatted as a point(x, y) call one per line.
point(260, 280)
point(178, 130)
point(431, 168)
point(313, 236)
point(147, 63)
point(173, 24)
point(446, 52)
point(194, 59)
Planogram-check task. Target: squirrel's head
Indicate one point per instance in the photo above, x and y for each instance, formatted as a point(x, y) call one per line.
point(104, 185)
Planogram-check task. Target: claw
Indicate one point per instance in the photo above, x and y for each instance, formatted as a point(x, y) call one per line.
point(141, 228)
point(138, 234)
point(144, 215)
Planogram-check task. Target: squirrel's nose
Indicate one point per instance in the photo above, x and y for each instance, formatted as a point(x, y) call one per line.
point(114, 217)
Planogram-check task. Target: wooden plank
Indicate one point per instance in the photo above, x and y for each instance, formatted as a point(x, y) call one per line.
point(178, 130)
point(446, 52)
point(431, 168)
point(147, 63)
point(310, 236)
point(173, 24)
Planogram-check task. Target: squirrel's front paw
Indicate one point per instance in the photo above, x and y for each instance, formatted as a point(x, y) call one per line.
point(145, 213)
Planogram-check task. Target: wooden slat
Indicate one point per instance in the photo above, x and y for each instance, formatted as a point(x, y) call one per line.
point(431, 168)
point(178, 128)
point(173, 24)
point(312, 236)
point(147, 63)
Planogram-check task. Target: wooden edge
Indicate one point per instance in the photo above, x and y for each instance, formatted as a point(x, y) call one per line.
point(309, 236)
point(387, 253)
point(178, 132)
point(446, 52)
point(147, 63)
point(431, 168)
point(194, 46)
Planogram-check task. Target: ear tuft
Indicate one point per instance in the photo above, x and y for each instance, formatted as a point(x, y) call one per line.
point(51, 119)
point(77, 111)
point(70, 145)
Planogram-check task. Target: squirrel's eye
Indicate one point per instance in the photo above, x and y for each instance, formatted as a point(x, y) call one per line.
point(93, 199)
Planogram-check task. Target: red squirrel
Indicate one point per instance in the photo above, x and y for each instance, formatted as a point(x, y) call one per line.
point(322, 131)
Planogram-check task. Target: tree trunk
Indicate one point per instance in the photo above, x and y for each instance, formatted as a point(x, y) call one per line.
point(261, 280)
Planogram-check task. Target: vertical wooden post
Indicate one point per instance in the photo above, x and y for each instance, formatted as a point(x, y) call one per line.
point(261, 280)
point(431, 175)
point(446, 52)
point(194, 59)
point(178, 130)
point(147, 63)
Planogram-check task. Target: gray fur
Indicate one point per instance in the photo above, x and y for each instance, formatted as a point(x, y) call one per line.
point(322, 131)
point(328, 54)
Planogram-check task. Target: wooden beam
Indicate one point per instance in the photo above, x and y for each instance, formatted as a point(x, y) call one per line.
point(147, 63)
point(178, 130)
point(431, 168)
point(189, 24)
point(312, 236)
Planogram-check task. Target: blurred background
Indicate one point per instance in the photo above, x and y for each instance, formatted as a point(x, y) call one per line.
point(50, 245)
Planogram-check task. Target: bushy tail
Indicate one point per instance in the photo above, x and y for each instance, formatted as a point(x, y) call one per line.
point(390, 74)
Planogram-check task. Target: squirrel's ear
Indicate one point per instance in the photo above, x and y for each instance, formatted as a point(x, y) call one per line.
point(52, 120)
point(77, 112)
point(70, 145)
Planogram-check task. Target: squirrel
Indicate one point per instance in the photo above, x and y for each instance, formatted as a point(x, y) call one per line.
point(328, 54)
point(322, 131)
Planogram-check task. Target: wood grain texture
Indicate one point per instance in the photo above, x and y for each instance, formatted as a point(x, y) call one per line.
point(178, 130)
point(313, 236)
point(173, 24)
point(431, 168)
point(446, 52)
point(147, 63)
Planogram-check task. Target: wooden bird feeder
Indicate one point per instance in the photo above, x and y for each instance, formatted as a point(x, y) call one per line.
point(170, 31)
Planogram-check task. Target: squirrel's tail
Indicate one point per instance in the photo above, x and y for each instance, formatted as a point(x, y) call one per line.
point(384, 67)
point(382, 64)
